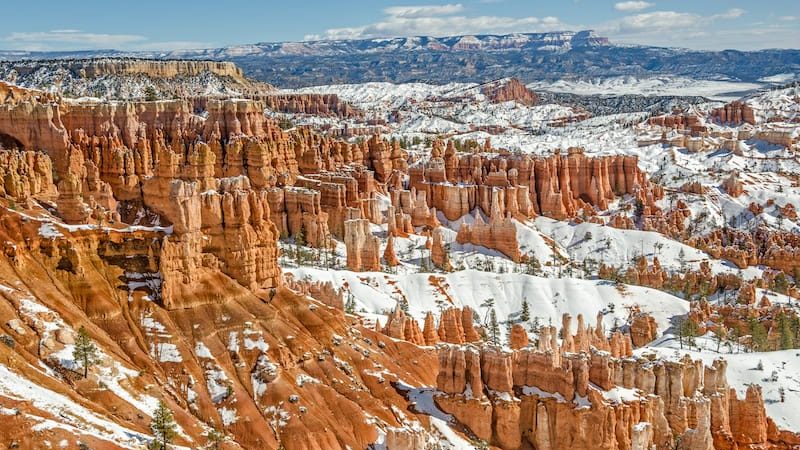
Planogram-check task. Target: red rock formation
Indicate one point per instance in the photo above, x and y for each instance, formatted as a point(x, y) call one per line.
point(363, 248)
point(313, 104)
point(558, 186)
point(439, 254)
point(401, 326)
point(643, 328)
point(518, 338)
point(323, 292)
point(509, 90)
point(500, 235)
point(429, 332)
point(735, 113)
point(456, 326)
point(733, 186)
point(389, 255)
point(702, 415)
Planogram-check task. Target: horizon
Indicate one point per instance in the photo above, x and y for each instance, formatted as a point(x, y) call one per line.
point(149, 26)
point(142, 54)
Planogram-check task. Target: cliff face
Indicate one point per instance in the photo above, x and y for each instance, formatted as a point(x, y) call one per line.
point(261, 366)
point(542, 399)
point(510, 90)
point(557, 186)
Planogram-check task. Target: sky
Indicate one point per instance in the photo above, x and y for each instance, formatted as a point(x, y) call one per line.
point(48, 25)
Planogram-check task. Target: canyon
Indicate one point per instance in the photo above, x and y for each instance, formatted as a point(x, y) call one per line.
point(293, 288)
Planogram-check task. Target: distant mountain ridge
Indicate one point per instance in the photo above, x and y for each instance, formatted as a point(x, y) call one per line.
point(552, 41)
point(529, 57)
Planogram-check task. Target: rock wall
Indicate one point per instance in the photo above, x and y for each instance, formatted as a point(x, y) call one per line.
point(557, 186)
point(531, 397)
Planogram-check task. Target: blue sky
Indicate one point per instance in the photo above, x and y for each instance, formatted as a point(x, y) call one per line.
point(168, 25)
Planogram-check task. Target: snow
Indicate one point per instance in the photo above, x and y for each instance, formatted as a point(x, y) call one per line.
point(217, 383)
point(228, 416)
point(201, 351)
point(250, 344)
point(303, 379)
point(548, 298)
point(742, 371)
point(665, 85)
point(72, 416)
point(165, 352)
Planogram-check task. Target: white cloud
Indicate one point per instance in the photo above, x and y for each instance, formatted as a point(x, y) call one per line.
point(632, 6)
point(442, 20)
point(59, 39)
point(413, 12)
point(657, 21)
point(71, 39)
point(732, 13)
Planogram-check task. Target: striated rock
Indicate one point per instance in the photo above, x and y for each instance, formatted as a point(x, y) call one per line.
point(733, 186)
point(518, 338)
point(735, 113)
point(643, 328)
point(439, 254)
point(401, 326)
point(389, 255)
point(500, 235)
point(510, 90)
point(363, 252)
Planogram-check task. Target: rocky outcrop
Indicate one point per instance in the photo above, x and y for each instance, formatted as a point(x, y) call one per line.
point(498, 234)
point(557, 186)
point(25, 174)
point(734, 113)
point(439, 253)
point(456, 326)
point(363, 248)
point(531, 396)
point(313, 104)
point(643, 328)
point(733, 186)
point(509, 90)
point(389, 255)
point(401, 326)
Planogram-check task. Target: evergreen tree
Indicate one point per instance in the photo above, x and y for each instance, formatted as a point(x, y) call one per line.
point(687, 331)
point(350, 305)
point(163, 427)
point(525, 314)
point(758, 334)
point(719, 335)
point(489, 305)
point(150, 94)
point(85, 352)
point(494, 328)
point(215, 438)
point(786, 333)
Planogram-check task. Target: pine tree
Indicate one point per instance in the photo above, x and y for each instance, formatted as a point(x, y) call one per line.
point(163, 427)
point(494, 328)
point(525, 315)
point(682, 260)
point(215, 438)
point(85, 352)
point(786, 333)
point(150, 94)
point(489, 305)
point(350, 306)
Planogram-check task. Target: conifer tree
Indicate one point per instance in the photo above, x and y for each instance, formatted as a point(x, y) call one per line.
point(163, 427)
point(85, 352)
point(215, 438)
point(494, 328)
point(525, 314)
